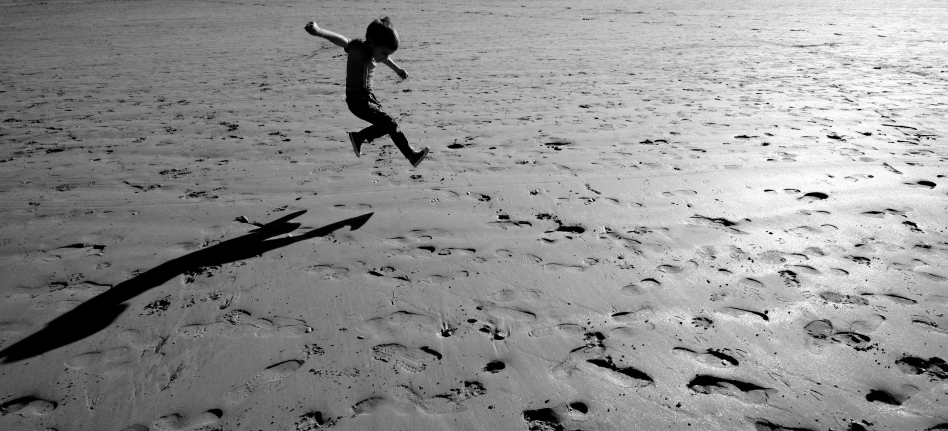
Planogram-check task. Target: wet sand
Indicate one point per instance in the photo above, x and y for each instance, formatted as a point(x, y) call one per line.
point(647, 215)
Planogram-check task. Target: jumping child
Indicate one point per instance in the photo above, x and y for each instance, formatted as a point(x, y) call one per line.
point(381, 40)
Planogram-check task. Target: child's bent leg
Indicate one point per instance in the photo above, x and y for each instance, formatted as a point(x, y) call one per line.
point(369, 111)
point(373, 132)
point(402, 143)
point(382, 124)
point(391, 129)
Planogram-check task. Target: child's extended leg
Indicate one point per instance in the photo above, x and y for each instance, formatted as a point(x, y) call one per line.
point(382, 124)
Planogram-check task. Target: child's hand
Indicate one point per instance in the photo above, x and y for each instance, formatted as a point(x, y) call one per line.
point(402, 73)
point(312, 28)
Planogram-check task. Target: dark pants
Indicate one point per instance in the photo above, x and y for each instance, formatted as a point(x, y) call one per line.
point(368, 108)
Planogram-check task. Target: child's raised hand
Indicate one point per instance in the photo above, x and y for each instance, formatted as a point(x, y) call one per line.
point(312, 28)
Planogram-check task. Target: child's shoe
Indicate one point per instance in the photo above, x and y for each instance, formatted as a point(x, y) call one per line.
point(356, 144)
point(418, 157)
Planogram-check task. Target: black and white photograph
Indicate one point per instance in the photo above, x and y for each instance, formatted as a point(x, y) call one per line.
point(453, 215)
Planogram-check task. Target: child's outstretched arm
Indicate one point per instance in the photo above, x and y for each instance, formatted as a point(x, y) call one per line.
point(335, 38)
point(398, 70)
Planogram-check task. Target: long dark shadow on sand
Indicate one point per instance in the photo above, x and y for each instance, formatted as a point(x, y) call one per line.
point(99, 312)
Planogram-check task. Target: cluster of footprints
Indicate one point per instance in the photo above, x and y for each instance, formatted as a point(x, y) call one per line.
point(31, 406)
point(272, 374)
point(592, 359)
point(211, 418)
point(414, 360)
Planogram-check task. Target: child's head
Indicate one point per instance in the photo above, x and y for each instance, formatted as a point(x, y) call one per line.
point(382, 33)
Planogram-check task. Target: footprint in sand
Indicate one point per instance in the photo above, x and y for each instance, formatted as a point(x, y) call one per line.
point(882, 214)
point(313, 420)
point(623, 376)
point(511, 313)
point(934, 367)
point(386, 272)
point(858, 177)
point(272, 374)
point(238, 323)
point(505, 222)
point(806, 269)
point(569, 329)
point(367, 406)
point(710, 357)
point(450, 402)
point(84, 360)
point(868, 324)
point(353, 207)
point(670, 269)
point(636, 317)
point(503, 295)
point(702, 322)
point(811, 230)
point(772, 257)
point(894, 396)
point(563, 267)
point(716, 222)
point(843, 299)
point(407, 359)
point(140, 340)
point(326, 272)
point(752, 282)
point(406, 322)
point(27, 407)
point(442, 195)
point(893, 297)
point(813, 197)
point(553, 418)
point(421, 250)
point(477, 196)
point(457, 251)
point(922, 184)
point(822, 333)
point(585, 200)
point(440, 279)
point(504, 253)
point(92, 359)
point(494, 367)
point(930, 325)
point(743, 313)
point(72, 251)
point(642, 287)
point(839, 272)
point(766, 425)
point(680, 193)
point(809, 213)
point(745, 391)
point(176, 422)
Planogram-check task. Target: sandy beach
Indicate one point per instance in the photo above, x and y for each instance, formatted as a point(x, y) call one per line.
point(641, 215)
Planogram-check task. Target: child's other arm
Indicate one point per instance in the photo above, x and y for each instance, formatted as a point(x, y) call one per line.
point(335, 38)
point(398, 70)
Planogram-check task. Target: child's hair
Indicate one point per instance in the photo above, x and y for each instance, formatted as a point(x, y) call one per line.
point(382, 33)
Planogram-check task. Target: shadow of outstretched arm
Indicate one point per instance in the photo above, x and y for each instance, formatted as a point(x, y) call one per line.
point(101, 311)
